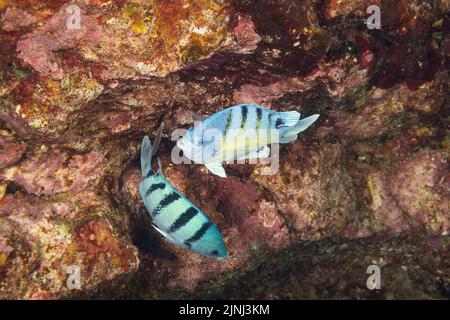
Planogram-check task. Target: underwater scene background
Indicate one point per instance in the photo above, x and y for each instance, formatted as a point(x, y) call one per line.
point(82, 82)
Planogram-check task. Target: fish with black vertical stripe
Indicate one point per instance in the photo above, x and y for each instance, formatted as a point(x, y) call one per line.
point(174, 216)
point(238, 133)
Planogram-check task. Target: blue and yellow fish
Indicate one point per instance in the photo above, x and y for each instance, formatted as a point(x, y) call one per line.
point(175, 217)
point(240, 132)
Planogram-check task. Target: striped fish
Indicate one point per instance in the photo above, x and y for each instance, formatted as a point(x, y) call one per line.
point(240, 132)
point(175, 217)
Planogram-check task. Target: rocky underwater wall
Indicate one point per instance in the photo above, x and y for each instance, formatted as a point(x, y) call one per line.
point(81, 82)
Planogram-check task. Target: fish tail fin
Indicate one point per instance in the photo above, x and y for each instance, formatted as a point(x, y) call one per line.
point(146, 156)
point(289, 134)
point(148, 151)
point(287, 119)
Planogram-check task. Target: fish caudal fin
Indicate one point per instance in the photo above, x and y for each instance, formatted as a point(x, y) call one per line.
point(287, 119)
point(290, 134)
point(146, 156)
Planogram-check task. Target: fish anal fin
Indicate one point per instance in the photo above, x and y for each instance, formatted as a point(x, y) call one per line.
point(260, 153)
point(217, 169)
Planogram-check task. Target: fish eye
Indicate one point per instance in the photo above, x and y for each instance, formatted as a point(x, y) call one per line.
point(214, 253)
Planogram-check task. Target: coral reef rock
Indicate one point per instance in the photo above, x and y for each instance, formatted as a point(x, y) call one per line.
point(81, 83)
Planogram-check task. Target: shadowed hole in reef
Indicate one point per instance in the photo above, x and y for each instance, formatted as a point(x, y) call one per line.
point(14, 188)
point(443, 287)
point(147, 239)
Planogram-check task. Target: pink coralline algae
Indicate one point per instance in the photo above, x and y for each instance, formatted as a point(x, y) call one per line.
point(54, 172)
point(384, 207)
point(421, 190)
point(54, 36)
point(245, 33)
point(29, 207)
point(11, 152)
point(256, 218)
point(69, 233)
point(309, 197)
point(14, 19)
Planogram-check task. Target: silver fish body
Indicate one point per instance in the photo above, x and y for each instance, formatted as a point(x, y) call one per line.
point(240, 132)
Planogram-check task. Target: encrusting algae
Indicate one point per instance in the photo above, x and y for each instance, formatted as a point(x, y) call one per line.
point(366, 183)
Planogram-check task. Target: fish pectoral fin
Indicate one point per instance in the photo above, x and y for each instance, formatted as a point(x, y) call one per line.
point(217, 169)
point(167, 237)
point(159, 230)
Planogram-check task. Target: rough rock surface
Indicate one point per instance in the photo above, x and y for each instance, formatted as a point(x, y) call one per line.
point(368, 183)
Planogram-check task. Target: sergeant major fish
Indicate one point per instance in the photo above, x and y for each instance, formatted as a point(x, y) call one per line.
point(240, 132)
point(175, 217)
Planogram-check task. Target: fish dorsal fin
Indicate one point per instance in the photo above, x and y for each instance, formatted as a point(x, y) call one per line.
point(196, 117)
point(157, 140)
point(217, 169)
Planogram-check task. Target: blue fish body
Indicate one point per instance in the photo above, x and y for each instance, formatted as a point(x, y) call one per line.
point(240, 132)
point(175, 217)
